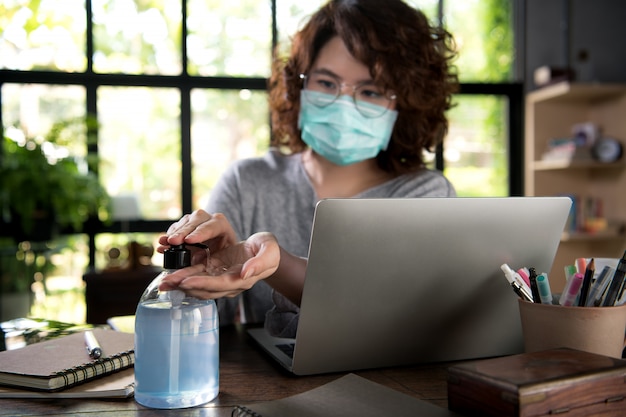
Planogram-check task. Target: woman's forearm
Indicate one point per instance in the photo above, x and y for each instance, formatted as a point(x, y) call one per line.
point(289, 277)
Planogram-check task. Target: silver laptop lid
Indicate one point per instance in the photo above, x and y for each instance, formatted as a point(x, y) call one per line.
point(401, 281)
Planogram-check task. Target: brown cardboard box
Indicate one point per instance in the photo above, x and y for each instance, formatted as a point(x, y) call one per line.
point(543, 383)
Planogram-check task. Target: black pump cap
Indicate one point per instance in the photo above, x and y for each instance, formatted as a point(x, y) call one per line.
point(176, 257)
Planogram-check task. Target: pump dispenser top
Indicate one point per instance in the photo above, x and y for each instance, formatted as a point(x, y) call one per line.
point(177, 257)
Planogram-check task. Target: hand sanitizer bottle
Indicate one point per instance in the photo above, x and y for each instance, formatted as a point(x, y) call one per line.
point(176, 343)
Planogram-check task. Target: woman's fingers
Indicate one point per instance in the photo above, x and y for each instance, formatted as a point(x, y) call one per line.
point(176, 225)
point(265, 259)
point(214, 230)
point(178, 231)
point(201, 285)
point(173, 280)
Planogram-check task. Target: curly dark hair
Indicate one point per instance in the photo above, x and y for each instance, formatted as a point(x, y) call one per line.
point(404, 53)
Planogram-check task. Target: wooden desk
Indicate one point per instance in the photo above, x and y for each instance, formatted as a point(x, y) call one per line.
point(247, 375)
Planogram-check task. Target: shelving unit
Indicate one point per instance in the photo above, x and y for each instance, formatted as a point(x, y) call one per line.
point(551, 112)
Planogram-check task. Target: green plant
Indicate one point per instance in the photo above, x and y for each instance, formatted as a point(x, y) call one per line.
point(45, 177)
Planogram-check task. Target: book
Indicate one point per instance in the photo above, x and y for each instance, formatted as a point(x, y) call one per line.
point(348, 396)
point(117, 385)
point(64, 361)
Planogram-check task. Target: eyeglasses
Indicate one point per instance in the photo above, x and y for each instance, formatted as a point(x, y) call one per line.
point(368, 99)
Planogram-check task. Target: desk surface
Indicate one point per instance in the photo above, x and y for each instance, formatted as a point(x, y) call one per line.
point(246, 376)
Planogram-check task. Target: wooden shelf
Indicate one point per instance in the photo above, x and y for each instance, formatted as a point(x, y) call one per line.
point(566, 92)
point(561, 165)
point(551, 112)
point(591, 237)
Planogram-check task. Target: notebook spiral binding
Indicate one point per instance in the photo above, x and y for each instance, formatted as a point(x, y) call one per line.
point(241, 411)
point(96, 368)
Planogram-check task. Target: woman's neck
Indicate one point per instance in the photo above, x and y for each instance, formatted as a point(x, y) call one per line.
point(337, 181)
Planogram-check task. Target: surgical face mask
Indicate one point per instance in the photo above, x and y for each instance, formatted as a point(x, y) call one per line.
point(340, 133)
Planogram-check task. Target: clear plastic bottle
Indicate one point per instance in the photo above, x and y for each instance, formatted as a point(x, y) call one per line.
point(176, 343)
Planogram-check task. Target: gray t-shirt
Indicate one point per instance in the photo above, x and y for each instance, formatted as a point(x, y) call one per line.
point(273, 194)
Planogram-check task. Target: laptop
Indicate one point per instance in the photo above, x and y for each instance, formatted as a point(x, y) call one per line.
point(393, 282)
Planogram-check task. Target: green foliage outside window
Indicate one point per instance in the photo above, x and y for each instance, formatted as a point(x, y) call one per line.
point(483, 31)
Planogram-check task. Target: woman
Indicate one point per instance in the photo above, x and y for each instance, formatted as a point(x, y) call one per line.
point(361, 96)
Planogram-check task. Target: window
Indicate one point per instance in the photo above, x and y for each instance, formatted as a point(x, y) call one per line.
point(482, 153)
point(178, 89)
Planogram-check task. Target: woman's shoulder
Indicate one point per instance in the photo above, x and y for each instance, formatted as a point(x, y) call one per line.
point(429, 183)
point(273, 161)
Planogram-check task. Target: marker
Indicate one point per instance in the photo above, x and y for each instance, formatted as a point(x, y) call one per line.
point(569, 297)
point(570, 270)
point(514, 278)
point(590, 269)
point(616, 282)
point(93, 347)
point(545, 294)
point(524, 274)
point(581, 265)
point(532, 276)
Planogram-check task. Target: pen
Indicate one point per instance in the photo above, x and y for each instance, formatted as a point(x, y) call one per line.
point(532, 276)
point(93, 347)
point(590, 269)
point(620, 301)
point(599, 287)
point(600, 299)
point(616, 282)
point(519, 291)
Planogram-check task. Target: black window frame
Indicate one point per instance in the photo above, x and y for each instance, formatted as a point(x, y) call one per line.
point(91, 81)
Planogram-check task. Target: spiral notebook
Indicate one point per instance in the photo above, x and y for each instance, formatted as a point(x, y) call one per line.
point(64, 362)
point(117, 385)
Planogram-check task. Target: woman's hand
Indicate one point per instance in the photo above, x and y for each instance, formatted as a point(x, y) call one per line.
point(230, 268)
point(212, 230)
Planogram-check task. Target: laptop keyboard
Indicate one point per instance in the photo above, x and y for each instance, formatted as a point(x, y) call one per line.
point(287, 348)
